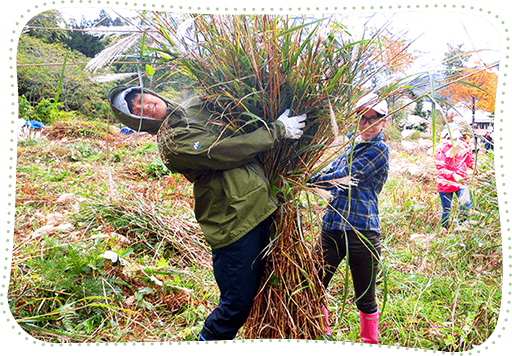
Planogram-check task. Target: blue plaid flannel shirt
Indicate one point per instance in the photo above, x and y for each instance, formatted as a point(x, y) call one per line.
point(356, 207)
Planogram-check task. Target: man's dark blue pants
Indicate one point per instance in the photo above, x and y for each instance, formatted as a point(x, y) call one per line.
point(238, 269)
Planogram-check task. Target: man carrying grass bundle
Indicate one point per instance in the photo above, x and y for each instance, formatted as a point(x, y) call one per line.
point(351, 226)
point(232, 199)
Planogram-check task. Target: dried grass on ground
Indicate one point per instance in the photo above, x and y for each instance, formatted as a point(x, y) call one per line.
point(88, 194)
point(438, 289)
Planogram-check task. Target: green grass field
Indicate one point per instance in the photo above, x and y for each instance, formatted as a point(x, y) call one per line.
point(106, 249)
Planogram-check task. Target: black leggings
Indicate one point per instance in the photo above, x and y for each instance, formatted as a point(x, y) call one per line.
point(363, 259)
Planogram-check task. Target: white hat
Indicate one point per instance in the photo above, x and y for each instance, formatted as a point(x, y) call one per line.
point(451, 131)
point(371, 101)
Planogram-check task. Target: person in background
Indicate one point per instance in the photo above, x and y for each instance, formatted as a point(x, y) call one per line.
point(488, 139)
point(454, 160)
point(351, 226)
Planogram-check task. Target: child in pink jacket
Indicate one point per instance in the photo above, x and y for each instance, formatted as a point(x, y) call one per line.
point(454, 160)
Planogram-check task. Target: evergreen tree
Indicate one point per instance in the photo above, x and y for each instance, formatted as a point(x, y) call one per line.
point(81, 41)
point(454, 60)
point(45, 26)
point(454, 63)
point(85, 43)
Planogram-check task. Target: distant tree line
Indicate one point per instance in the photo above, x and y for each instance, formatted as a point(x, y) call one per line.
point(88, 44)
point(46, 51)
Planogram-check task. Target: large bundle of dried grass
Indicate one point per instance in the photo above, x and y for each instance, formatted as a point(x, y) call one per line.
point(78, 129)
point(251, 69)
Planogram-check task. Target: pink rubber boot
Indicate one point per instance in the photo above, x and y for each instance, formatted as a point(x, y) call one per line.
point(370, 327)
point(326, 316)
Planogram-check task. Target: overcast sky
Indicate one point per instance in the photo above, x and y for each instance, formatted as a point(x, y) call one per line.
point(431, 32)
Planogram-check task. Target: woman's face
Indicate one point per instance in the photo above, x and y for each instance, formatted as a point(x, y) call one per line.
point(149, 106)
point(370, 125)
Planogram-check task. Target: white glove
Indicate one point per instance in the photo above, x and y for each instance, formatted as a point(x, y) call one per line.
point(292, 124)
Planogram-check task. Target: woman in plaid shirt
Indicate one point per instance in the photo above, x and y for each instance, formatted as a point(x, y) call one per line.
point(351, 223)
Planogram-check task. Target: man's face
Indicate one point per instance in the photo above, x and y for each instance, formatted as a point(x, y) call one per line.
point(150, 106)
point(370, 124)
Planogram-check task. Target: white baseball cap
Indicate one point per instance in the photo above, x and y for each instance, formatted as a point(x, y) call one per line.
point(372, 101)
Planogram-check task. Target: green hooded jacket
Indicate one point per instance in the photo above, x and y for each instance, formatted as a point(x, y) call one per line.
point(231, 191)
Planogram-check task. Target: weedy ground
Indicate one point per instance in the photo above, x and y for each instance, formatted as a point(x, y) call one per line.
point(106, 248)
point(438, 289)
